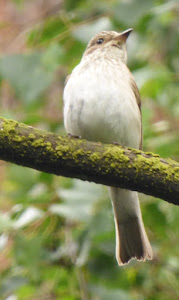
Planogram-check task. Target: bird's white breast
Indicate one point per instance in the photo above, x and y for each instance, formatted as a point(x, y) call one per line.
point(99, 104)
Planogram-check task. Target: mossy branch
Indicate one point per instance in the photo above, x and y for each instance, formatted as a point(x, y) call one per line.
point(106, 164)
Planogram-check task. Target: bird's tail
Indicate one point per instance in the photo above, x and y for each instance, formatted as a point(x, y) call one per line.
point(131, 238)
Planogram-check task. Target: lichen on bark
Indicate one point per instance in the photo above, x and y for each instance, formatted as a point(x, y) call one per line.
point(112, 165)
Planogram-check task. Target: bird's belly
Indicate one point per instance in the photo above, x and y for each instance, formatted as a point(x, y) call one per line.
point(98, 111)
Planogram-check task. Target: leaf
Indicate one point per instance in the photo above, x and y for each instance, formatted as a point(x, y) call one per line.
point(11, 284)
point(53, 27)
point(101, 293)
point(52, 57)
point(28, 253)
point(32, 80)
point(5, 222)
point(154, 215)
point(28, 216)
point(84, 252)
point(147, 74)
point(71, 4)
point(78, 201)
point(85, 32)
point(3, 241)
point(130, 12)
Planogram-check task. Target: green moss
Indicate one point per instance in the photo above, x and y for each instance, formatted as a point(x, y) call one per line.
point(17, 138)
point(113, 165)
point(58, 151)
point(153, 165)
point(142, 163)
point(116, 154)
point(65, 149)
point(176, 170)
point(152, 154)
point(38, 143)
point(125, 158)
point(58, 148)
point(31, 136)
point(62, 151)
point(94, 156)
point(79, 152)
point(49, 146)
point(106, 158)
point(9, 126)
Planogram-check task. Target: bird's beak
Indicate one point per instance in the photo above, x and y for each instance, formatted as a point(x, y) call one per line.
point(122, 36)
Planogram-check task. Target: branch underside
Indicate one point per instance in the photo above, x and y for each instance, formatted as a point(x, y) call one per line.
point(111, 165)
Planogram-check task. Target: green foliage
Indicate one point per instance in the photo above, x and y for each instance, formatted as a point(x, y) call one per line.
point(32, 77)
point(57, 237)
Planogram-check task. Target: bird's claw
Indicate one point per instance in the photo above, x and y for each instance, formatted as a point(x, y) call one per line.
point(116, 143)
point(74, 136)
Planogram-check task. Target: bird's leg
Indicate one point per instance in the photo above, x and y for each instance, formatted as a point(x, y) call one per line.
point(74, 136)
point(116, 143)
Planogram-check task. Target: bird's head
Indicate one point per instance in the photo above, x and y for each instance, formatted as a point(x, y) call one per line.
point(111, 43)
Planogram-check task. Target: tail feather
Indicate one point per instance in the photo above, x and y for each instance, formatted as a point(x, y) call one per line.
point(132, 242)
point(131, 238)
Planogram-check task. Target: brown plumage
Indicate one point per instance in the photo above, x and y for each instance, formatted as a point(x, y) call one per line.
point(102, 103)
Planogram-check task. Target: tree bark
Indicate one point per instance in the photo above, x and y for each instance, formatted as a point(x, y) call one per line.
point(111, 165)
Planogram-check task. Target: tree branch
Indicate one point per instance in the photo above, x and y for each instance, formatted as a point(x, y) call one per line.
point(106, 164)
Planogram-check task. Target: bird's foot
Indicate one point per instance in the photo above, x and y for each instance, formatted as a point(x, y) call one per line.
point(116, 143)
point(74, 136)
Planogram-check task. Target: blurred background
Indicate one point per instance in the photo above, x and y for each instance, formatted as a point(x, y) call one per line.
point(57, 238)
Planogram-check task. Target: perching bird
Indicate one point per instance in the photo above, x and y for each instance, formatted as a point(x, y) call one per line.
point(102, 103)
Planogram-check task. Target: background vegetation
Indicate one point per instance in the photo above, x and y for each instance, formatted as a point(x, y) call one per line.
point(57, 237)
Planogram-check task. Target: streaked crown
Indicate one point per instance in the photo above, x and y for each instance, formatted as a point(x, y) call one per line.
point(107, 41)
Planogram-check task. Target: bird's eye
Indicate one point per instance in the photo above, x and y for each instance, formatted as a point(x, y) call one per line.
point(100, 41)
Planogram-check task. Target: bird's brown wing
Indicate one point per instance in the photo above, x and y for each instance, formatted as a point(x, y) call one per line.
point(67, 79)
point(138, 100)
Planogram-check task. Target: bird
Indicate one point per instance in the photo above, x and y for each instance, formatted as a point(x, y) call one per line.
point(102, 104)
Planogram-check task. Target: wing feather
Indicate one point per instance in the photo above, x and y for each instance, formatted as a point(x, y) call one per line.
point(138, 100)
